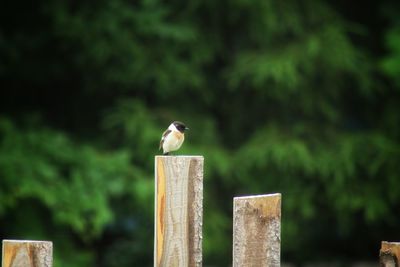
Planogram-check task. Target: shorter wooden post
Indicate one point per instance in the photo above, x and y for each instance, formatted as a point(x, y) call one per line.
point(27, 253)
point(257, 230)
point(389, 255)
point(178, 211)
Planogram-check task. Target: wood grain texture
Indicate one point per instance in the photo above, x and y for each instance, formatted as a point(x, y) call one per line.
point(389, 255)
point(27, 253)
point(178, 211)
point(256, 231)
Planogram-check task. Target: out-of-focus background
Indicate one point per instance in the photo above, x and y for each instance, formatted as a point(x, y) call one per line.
point(297, 97)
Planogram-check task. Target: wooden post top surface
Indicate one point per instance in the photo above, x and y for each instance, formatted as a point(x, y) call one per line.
point(258, 196)
point(25, 241)
point(179, 156)
point(269, 208)
point(386, 244)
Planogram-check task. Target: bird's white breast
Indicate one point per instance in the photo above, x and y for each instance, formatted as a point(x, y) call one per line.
point(173, 141)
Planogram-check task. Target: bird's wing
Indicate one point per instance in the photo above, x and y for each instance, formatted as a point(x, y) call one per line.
point(163, 137)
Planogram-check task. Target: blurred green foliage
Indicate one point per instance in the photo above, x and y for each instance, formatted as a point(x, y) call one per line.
point(297, 97)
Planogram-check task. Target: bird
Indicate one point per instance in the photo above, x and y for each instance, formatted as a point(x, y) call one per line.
point(173, 137)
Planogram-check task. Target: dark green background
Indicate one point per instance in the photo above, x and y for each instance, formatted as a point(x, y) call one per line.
point(297, 97)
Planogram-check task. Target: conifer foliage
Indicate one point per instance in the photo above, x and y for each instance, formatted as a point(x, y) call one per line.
point(297, 97)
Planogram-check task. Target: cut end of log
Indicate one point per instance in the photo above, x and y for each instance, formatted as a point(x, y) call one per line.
point(270, 208)
point(179, 156)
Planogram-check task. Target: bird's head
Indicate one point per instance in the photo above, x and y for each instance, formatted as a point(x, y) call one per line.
point(180, 126)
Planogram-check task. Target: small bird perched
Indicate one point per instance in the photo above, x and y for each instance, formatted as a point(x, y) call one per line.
point(173, 137)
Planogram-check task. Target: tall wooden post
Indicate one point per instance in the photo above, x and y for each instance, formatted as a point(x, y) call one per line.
point(178, 211)
point(26, 253)
point(389, 255)
point(257, 231)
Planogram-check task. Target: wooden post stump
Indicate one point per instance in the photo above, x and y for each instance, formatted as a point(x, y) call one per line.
point(27, 253)
point(257, 230)
point(178, 211)
point(389, 255)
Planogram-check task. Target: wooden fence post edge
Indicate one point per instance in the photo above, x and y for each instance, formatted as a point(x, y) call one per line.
point(27, 253)
point(256, 230)
point(178, 211)
point(389, 254)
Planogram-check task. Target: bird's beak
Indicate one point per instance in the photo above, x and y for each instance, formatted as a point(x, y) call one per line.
point(186, 128)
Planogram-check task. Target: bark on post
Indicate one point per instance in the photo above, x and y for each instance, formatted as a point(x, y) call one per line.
point(389, 255)
point(178, 211)
point(27, 253)
point(256, 231)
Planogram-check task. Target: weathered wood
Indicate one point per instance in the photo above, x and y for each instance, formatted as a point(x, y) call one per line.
point(389, 254)
point(257, 230)
point(178, 211)
point(27, 253)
